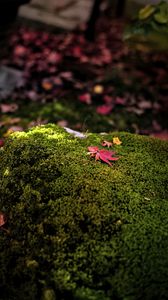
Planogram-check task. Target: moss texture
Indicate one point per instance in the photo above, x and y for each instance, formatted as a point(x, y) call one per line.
point(77, 228)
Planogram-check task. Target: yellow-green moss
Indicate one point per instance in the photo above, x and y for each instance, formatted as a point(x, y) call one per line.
point(78, 229)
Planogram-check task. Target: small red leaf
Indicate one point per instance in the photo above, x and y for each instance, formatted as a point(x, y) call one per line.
point(106, 144)
point(2, 219)
point(104, 109)
point(1, 143)
point(85, 98)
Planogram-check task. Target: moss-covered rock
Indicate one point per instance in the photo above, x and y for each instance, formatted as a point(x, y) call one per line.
point(77, 228)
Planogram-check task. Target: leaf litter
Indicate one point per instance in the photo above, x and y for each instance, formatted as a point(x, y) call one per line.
point(126, 89)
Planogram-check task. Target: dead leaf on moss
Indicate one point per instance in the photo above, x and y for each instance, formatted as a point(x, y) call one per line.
point(116, 141)
point(103, 155)
point(107, 144)
point(6, 134)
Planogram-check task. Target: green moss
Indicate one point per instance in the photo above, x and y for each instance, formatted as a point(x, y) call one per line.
point(78, 229)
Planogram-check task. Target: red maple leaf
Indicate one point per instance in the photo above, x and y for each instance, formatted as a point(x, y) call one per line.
point(101, 154)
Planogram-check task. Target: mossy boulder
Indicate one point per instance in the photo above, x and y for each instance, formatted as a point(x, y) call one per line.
point(77, 228)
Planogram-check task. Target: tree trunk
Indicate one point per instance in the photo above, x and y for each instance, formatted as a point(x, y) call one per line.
point(90, 30)
point(120, 8)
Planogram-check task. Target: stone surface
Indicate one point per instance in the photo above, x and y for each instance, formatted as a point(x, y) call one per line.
point(68, 14)
point(9, 79)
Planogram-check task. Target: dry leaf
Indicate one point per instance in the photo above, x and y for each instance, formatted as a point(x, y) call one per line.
point(116, 141)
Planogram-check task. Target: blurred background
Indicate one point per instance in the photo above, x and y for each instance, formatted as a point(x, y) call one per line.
point(67, 62)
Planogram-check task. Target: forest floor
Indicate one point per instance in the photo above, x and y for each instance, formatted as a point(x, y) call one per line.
point(87, 86)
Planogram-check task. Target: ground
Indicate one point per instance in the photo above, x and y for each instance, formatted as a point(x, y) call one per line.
point(89, 86)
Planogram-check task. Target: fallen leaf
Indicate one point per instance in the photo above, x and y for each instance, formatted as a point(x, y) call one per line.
point(104, 109)
point(120, 101)
point(108, 99)
point(11, 130)
point(145, 105)
point(20, 50)
point(7, 133)
point(32, 95)
point(11, 121)
point(85, 98)
point(156, 126)
point(5, 108)
point(116, 141)
point(57, 81)
point(66, 75)
point(145, 12)
point(16, 128)
point(98, 89)
point(77, 51)
point(106, 144)
point(106, 56)
point(2, 219)
point(161, 135)
point(93, 149)
point(47, 85)
point(54, 57)
point(1, 143)
point(104, 155)
point(135, 110)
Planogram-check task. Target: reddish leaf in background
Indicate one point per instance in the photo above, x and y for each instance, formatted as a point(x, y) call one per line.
point(1, 143)
point(77, 51)
point(80, 66)
point(120, 101)
point(54, 57)
point(106, 56)
point(2, 219)
point(143, 104)
point(108, 99)
point(104, 155)
point(20, 50)
point(162, 135)
point(104, 109)
point(66, 75)
point(5, 108)
point(85, 98)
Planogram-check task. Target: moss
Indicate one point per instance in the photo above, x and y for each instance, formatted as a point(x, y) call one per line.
point(78, 229)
